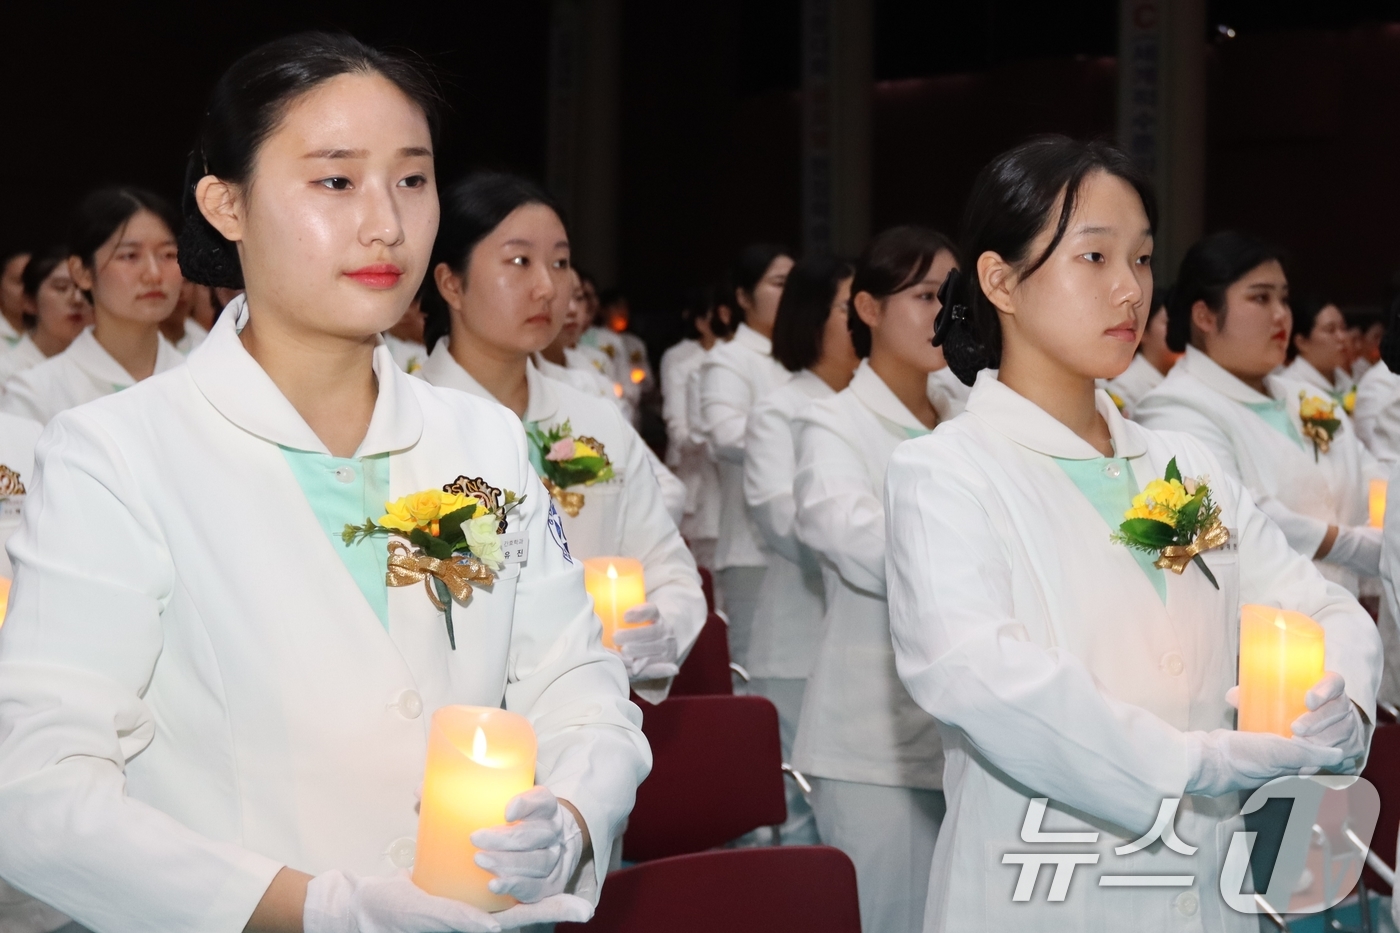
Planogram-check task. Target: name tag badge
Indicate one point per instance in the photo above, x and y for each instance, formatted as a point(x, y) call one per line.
point(516, 547)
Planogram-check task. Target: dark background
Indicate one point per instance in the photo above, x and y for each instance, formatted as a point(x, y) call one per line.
point(1302, 142)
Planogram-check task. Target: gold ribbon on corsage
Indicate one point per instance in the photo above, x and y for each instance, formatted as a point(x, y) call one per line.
point(570, 502)
point(1175, 557)
point(1319, 435)
point(408, 566)
point(9, 483)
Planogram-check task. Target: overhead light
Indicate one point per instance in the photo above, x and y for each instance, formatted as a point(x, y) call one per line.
point(1225, 32)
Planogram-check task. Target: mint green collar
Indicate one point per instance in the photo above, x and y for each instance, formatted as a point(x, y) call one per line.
point(1275, 414)
point(1109, 485)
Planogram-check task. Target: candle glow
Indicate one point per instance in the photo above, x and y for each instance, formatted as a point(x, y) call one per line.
point(479, 758)
point(616, 585)
point(1281, 658)
point(4, 597)
point(1377, 502)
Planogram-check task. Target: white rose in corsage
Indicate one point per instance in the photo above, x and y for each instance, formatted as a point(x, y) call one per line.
point(1176, 520)
point(448, 539)
point(1320, 421)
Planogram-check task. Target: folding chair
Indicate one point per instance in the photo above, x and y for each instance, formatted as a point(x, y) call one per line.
point(788, 889)
point(1382, 770)
point(706, 671)
point(707, 586)
point(717, 773)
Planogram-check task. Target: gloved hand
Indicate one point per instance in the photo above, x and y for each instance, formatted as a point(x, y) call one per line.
point(1357, 548)
point(1333, 720)
point(339, 902)
point(535, 854)
point(650, 651)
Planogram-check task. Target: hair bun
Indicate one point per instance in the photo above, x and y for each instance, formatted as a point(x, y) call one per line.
point(953, 331)
point(206, 258)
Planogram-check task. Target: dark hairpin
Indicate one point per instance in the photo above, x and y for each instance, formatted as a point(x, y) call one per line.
point(953, 311)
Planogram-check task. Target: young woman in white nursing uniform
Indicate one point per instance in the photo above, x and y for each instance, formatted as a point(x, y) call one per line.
point(213, 710)
point(811, 341)
point(1229, 313)
point(123, 259)
point(500, 269)
point(735, 377)
point(873, 756)
point(1058, 663)
point(55, 313)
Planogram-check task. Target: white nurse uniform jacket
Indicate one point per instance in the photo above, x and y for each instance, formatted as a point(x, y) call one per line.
point(25, 354)
point(1055, 669)
point(858, 721)
point(1137, 380)
point(18, 436)
point(1300, 370)
point(1377, 413)
point(622, 517)
point(1299, 489)
point(82, 373)
point(734, 378)
point(194, 692)
point(788, 623)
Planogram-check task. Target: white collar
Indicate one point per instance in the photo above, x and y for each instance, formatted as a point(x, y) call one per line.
point(1012, 414)
point(1304, 371)
point(867, 386)
point(746, 336)
point(1218, 378)
point(92, 358)
point(442, 369)
point(242, 391)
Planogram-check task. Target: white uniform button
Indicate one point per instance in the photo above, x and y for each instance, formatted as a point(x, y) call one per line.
point(401, 852)
point(1173, 664)
point(409, 704)
point(345, 474)
point(1111, 470)
point(1187, 903)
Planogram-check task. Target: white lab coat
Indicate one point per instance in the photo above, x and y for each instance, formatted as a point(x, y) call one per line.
point(82, 373)
point(735, 377)
point(8, 334)
point(586, 381)
point(194, 336)
point(944, 385)
point(17, 439)
point(408, 355)
point(858, 722)
point(1136, 381)
point(622, 517)
point(1055, 670)
point(207, 696)
point(1300, 370)
point(701, 524)
point(788, 623)
point(613, 347)
point(16, 359)
point(1377, 414)
point(1302, 493)
point(677, 363)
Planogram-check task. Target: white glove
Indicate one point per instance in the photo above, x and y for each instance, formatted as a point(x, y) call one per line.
point(534, 855)
point(338, 902)
point(1357, 548)
point(650, 652)
point(1333, 720)
point(1224, 760)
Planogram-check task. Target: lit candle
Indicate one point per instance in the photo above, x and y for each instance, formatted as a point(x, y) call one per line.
point(479, 758)
point(1281, 655)
point(1378, 503)
point(616, 585)
point(4, 597)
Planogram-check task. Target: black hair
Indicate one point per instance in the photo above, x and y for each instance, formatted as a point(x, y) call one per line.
point(1208, 269)
point(39, 268)
point(106, 211)
point(1160, 296)
point(721, 295)
point(896, 259)
point(246, 107)
point(611, 297)
point(471, 209)
point(1305, 310)
point(748, 270)
point(1013, 199)
point(805, 308)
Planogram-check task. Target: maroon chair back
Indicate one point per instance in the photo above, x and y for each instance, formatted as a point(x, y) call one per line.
point(706, 669)
point(716, 774)
point(707, 585)
point(780, 889)
point(1383, 770)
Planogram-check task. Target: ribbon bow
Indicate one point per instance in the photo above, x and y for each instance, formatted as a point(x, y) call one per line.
point(1319, 435)
point(445, 580)
point(1175, 557)
point(570, 502)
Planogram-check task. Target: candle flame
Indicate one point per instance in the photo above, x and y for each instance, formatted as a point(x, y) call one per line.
point(612, 572)
point(479, 746)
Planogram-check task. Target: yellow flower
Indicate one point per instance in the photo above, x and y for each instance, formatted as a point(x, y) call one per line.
point(1349, 401)
point(583, 450)
point(1159, 501)
point(1117, 400)
point(1312, 408)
